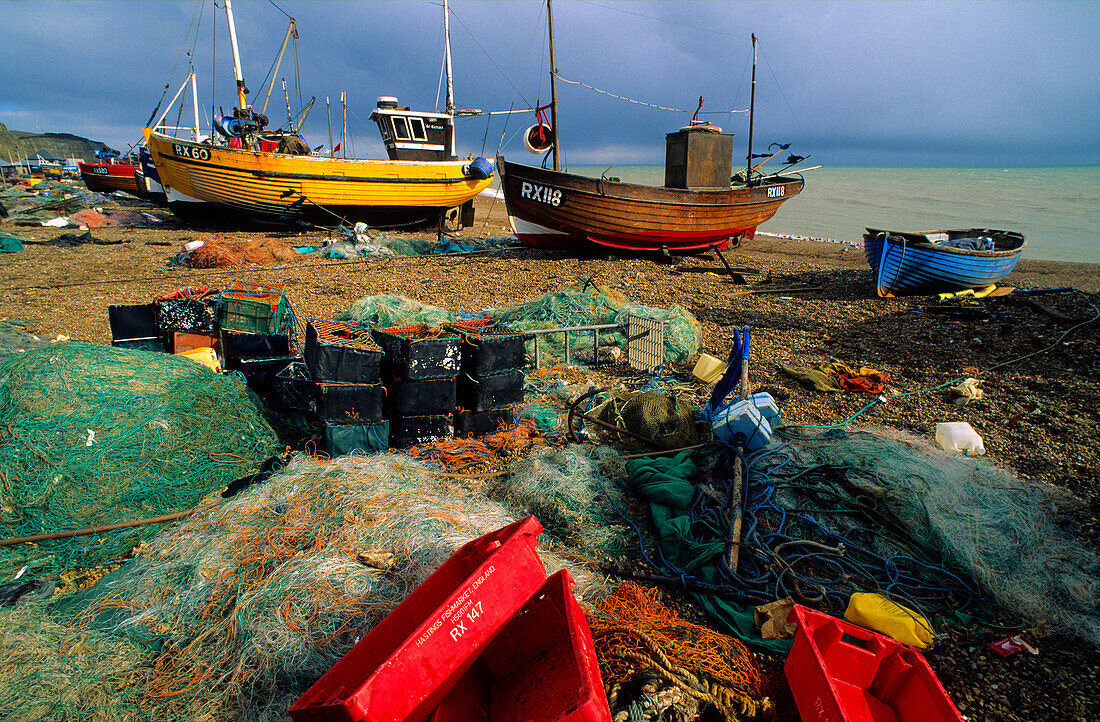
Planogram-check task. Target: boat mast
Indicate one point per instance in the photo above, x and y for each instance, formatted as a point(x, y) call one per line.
point(242, 103)
point(292, 30)
point(752, 109)
point(553, 85)
point(450, 103)
point(195, 105)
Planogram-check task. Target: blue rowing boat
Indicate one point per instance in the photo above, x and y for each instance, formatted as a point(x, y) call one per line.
point(937, 261)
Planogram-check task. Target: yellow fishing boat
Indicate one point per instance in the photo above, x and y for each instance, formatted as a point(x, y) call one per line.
point(247, 172)
point(203, 180)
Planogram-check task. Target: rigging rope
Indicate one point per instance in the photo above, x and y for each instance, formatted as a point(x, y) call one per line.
point(641, 102)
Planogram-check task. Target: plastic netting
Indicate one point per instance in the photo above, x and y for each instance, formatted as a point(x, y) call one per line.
point(636, 634)
point(1001, 530)
point(587, 304)
point(384, 311)
point(582, 304)
point(239, 608)
point(15, 339)
point(575, 492)
point(92, 435)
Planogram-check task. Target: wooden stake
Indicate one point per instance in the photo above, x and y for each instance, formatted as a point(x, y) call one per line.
point(92, 530)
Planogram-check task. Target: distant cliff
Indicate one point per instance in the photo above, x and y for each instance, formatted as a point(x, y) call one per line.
point(18, 144)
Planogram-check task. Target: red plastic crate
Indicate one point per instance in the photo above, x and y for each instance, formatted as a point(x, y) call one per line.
point(541, 667)
point(404, 666)
point(842, 672)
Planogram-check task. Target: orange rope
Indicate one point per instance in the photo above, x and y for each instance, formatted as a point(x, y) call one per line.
point(691, 646)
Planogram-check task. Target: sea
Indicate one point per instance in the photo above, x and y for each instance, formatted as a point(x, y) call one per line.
point(1058, 209)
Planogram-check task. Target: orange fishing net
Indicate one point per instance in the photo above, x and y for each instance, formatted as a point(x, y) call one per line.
point(634, 632)
point(478, 454)
point(218, 251)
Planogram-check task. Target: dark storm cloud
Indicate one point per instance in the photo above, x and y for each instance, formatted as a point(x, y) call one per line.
point(880, 83)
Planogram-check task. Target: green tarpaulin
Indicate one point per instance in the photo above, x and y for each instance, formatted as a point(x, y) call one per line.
point(666, 485)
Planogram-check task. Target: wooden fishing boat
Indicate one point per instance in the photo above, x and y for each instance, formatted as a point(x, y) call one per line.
point(555, 209)
point(148, 180)
point(929, 262)
point(204, 181)
point(699, 207)
point(242, 176)
point(108, 177)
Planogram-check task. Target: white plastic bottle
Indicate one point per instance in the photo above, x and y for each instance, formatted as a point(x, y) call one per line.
point(959, 436)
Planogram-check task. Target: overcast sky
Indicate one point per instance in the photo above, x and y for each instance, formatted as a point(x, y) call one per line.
point(850, 83)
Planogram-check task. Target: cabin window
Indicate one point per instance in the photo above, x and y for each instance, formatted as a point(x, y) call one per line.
point(385, 129)
point(400, 129)
point(417, 127)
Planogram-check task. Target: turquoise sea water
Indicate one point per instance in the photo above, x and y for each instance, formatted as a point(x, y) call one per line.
point(1058, 209)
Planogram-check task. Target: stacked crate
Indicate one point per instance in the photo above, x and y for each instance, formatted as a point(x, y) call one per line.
point(419, 366)
point(256, 322)
point(342, 371)
point(189, 318)
point(135, 327)
point(491, 378)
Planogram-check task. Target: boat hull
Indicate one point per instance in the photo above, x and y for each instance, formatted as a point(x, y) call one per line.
point(211, 182)
point(560, 210)
point(109, 177)
point(147, 179)
point(905, 265)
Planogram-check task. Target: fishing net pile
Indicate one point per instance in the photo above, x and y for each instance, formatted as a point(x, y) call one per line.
point(548, 393)
point(239, 608)
point(360, 241)
point(44, 201)
point(219, 252)
point(385, 311)
point(92, 435)
point(15, 339)
point(1002, 531)
point(588, 304)
point(575, 492)
point(473, 455)
point(582, 304)
point(830, 514)
point(663, 417)
point(657, 665)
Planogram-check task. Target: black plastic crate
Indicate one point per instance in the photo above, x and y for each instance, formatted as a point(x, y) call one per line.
point(154, 343)
point(187, 314)
point(294, 389)
point(489, 348)
point(237, 345)
point(420, 398)
point(341, 353)
point(350, 402)
point(133, 322)
point(408, 431)
point(494, 391)
point(363, 438)
point(260, 374)
point(417, 352)
point(478, 424)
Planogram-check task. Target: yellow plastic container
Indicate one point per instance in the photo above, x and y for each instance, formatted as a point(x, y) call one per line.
point(876, 612)
point(204, 356)
point(708, 369)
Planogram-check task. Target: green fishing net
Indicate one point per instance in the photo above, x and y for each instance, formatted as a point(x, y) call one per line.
point(385, 311)
point(237, 609)
point(92, 435)
point(574, 491)
point(587, 304)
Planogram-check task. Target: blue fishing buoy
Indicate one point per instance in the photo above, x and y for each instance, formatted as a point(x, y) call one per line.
point(479, 169)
